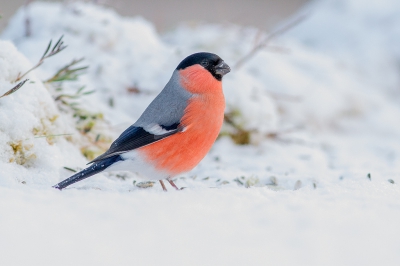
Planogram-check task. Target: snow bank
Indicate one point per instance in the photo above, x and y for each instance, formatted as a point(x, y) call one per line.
point(26, 117)
point(324, 79)
point(271, 92)
point(135, 62)
point(120, 52)
point(362, 46)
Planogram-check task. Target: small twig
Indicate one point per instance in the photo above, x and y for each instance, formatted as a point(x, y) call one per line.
point(70, 169)
point(278, 49)
point(237, 180)
point(257, 38)
point(48, 136)
point(17, 87)
point(58, 47)
point(265, 42)
point(28, 31)
point(276, 134)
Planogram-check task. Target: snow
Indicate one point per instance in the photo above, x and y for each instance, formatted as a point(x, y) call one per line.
point(26, 116)
point(318, 185)
point(202, 226)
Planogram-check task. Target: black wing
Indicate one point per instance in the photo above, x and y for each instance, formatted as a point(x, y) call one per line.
point(135, 137)
point(91, 170)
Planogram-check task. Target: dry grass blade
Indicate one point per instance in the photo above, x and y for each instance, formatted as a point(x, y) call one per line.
point(70, 169)
point(45, 52)
point(240, 135)
point(55, 135)
point(17, 87)
point(271, 36)
point(67, 72)
point(77, 95)
point(58, 47)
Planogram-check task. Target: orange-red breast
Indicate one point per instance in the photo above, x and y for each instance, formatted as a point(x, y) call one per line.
point(175, 131)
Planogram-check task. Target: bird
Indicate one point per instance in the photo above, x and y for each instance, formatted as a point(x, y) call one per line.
point(176, 130)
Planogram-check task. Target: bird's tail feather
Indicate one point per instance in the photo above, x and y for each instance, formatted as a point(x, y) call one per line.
point(95, 168)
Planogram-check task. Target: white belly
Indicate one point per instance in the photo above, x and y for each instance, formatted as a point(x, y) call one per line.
point(134, 163)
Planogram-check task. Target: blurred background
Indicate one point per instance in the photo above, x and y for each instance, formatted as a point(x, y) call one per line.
point(166, 14)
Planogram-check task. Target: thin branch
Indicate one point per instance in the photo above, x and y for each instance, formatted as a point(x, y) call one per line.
point(285, 97)
point(17, 87)
point(49, 136)
point(270, 37)
point(58, 47)
point(276, 134)
point(278, 49)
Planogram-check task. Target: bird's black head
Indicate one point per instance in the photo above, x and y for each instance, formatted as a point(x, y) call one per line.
point(212, 62)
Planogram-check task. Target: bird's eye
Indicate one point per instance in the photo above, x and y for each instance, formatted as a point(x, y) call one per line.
point(204, 63)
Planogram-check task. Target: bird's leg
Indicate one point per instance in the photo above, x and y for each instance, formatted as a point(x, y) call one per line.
point(173, 184)
point(163, 186)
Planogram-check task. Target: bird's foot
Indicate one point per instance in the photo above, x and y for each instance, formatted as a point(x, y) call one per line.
point(173, 184)
point(163, 186)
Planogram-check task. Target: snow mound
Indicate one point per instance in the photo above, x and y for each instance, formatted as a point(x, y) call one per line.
point(119, 52)
point(128, 62)
point(306, 96)
point(26, 117)
point(275, 91)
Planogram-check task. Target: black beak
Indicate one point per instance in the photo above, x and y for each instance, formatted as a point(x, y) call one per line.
point(222, 68)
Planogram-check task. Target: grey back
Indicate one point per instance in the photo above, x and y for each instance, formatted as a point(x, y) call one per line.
point(168, 107)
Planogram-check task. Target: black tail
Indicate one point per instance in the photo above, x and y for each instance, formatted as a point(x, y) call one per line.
point(95, 168)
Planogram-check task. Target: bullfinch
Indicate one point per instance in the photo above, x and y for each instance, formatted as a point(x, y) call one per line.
point(175, 131)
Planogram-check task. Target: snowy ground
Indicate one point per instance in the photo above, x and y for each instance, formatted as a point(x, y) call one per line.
point(317, 185)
